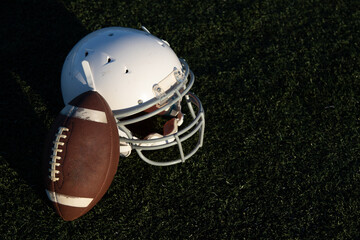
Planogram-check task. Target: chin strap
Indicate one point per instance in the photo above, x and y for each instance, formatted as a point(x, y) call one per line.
point(125, 148)
point(170, 127)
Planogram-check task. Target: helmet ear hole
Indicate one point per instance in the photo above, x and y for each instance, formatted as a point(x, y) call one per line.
point(126, 70)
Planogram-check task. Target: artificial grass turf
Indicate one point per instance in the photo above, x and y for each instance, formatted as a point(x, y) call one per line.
point(279, 82)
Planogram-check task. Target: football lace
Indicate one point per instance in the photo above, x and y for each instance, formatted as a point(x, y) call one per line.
point(55, 150)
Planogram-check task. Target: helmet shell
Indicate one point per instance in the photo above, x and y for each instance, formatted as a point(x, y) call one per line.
point(122, 64)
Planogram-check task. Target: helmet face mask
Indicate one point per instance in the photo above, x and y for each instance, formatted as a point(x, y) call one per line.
point(143, 80)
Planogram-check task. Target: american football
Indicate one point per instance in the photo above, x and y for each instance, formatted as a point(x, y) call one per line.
point(81, 155)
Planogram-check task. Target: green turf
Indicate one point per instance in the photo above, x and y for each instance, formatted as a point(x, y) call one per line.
point(280, 84)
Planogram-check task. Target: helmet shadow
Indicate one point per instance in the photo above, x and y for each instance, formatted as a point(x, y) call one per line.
point(35, 39)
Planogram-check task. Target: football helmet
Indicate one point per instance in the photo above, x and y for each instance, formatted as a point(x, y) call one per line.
point(142, 79)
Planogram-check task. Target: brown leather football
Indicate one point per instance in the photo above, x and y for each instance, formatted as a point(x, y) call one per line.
point(81, 155)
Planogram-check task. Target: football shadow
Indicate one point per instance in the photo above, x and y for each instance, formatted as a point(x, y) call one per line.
point(35, 38)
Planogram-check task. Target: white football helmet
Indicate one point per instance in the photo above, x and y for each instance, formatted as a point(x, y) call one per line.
point(141, 78)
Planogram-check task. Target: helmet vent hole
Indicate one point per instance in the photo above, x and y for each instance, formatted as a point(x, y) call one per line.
point(126, 70)
point(86, 53)
point(108, 59)
point(111, 34)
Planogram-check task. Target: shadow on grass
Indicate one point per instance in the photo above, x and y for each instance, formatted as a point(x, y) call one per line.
point(35, 38)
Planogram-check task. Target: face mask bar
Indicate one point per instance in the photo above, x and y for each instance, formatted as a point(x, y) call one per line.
point(197, 125)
